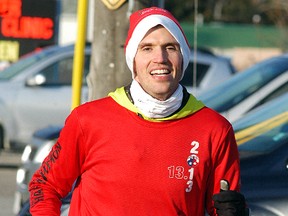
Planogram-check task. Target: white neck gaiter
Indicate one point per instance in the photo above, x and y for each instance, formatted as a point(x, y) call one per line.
point(152, 107)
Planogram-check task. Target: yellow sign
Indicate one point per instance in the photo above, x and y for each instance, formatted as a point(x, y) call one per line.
point(9, 51)
point(113, 4)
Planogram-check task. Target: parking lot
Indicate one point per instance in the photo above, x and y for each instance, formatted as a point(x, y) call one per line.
point(9, 162)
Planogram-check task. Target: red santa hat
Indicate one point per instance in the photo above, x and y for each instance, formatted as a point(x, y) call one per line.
point(142, 21)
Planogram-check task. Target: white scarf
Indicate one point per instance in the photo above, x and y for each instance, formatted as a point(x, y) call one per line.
point(152, 107)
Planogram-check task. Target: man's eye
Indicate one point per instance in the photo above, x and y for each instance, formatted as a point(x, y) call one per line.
point(171, 48)
point(146, 48)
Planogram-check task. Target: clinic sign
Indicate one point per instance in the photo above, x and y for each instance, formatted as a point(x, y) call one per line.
point(26, 25)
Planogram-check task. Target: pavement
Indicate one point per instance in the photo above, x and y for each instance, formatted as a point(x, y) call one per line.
point(10, 159)
point(9, 162)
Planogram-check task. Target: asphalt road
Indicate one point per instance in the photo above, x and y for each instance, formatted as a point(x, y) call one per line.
point(9, 161)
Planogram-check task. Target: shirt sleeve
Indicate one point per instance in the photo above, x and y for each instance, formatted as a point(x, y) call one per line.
point(59, 170)
point(226, 165)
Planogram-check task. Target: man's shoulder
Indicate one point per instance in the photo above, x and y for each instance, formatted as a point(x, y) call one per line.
point(105, 103)
point(211, 116)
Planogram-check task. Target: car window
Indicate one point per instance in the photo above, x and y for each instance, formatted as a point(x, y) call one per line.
point(188, 79)
point(60, 73)
point(19, 66)
point(269, 110)
point(277, 92)
point(239, 87)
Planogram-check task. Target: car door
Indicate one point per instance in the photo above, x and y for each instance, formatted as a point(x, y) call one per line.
point(47, 101)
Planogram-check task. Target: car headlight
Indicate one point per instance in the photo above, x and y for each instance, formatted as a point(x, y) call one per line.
point(26, 153)
point(43, 152)
point(20, 176)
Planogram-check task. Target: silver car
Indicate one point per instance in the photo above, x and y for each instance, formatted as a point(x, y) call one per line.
point(211, 70)
point(31, 159)
point(36, 91)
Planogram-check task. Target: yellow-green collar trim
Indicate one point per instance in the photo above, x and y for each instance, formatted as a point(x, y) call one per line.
point(191, 106)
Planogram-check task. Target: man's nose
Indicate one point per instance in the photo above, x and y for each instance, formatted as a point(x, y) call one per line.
point(160, 55)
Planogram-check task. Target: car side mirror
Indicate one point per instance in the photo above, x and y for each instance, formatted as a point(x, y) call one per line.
point(36, 80)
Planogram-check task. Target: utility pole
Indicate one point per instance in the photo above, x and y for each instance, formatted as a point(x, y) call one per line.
point(108, 65)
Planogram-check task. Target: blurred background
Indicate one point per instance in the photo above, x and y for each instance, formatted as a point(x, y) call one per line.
point(238, 67)
point(246, 30)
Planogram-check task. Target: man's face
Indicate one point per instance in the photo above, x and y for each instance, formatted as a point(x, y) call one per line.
point(158, 63)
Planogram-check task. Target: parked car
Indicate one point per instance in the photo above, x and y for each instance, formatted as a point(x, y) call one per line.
point(249, 88)
point(31, 159)
point(36, 92)
point(211, 70)
point(38, 89)
point(262, 136)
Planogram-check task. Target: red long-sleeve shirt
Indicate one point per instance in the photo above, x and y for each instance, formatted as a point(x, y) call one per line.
point(129, 166)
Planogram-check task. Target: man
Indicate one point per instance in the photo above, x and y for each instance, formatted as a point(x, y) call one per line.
point(147, 149)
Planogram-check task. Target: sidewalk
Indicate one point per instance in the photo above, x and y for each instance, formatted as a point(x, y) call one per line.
point(10, 159)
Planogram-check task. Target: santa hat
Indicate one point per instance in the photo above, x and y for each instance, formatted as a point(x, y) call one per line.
point(142, 21)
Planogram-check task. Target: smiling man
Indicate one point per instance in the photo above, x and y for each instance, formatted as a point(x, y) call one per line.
point(147, 149)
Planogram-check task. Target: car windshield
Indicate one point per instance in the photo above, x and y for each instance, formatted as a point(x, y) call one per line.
point(233, 91)
point(264, 129)
point(25, 62)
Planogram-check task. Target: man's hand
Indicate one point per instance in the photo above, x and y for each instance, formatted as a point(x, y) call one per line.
point(229, 203)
